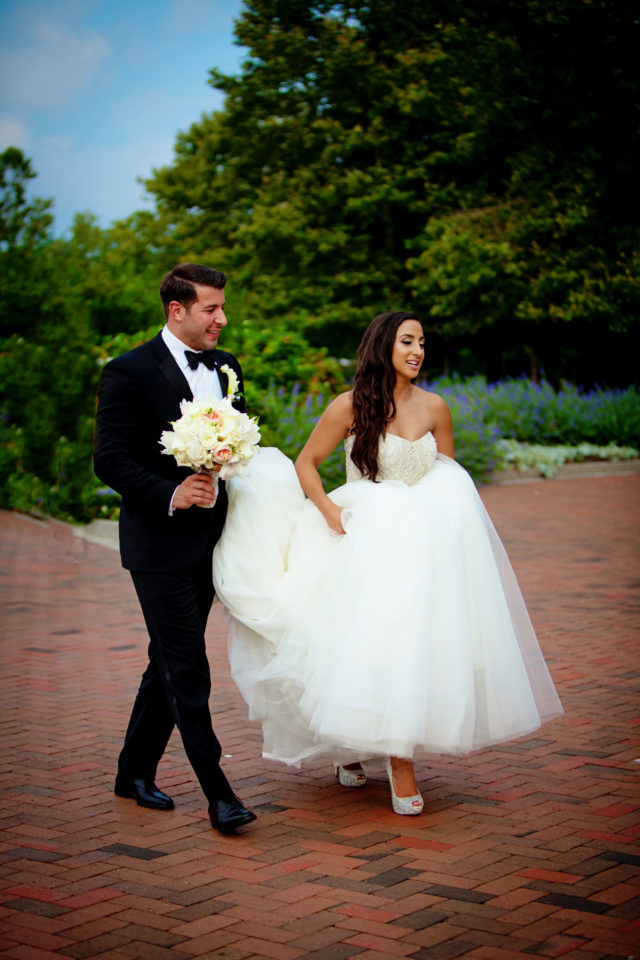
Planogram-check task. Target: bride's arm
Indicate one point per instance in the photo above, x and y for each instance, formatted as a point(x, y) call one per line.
point(330, 430)
point(443, 428)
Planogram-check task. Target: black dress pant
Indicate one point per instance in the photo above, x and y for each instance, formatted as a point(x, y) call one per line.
point(175, 687)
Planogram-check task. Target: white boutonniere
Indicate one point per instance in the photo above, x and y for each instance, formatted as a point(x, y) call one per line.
point(232, 376)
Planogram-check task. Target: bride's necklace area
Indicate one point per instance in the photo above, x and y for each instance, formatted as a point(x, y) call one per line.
point(403, 421)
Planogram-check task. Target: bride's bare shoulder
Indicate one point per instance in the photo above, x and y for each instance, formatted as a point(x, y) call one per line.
point(342, 405)
point(432, 402)
point(339, 413)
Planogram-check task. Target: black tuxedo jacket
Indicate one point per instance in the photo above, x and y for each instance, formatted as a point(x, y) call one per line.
point(140, 393)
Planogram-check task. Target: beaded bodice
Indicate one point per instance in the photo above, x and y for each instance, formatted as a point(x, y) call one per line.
point(398, 459)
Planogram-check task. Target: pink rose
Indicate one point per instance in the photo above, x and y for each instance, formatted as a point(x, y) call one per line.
point(222, 454)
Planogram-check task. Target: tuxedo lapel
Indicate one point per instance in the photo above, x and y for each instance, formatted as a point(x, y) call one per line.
point(170, 369)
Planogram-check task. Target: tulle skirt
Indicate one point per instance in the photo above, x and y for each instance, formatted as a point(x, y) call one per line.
point(405, 637)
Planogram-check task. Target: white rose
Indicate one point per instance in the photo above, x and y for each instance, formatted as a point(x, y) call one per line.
point(251, 432)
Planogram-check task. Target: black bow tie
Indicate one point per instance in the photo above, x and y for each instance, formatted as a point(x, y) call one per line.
point(207, 357)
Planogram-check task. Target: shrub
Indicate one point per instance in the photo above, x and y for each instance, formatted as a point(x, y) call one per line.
point(548, 459)
point(536, 413)
point(46, 435)
point(286, 421)
point(474, 430)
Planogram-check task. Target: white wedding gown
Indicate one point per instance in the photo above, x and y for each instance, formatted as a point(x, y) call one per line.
point(407, 636)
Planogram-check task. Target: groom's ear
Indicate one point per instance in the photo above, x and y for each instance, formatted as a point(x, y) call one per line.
point(176, 311)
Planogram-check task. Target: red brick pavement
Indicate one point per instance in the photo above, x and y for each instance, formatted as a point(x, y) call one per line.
point(527, 850)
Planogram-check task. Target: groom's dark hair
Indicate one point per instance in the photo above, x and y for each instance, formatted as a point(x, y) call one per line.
point(178, 284)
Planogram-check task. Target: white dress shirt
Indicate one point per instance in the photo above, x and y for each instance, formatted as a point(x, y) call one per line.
point(204, 383)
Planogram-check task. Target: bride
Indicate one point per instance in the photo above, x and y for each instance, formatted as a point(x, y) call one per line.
point(381, 620)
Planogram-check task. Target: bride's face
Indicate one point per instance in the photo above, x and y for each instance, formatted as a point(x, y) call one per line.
point(408, 350)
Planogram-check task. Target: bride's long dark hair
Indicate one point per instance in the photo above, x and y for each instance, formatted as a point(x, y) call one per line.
point(373, 404)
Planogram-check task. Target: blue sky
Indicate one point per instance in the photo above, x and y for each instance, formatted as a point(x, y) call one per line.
point(94, 91)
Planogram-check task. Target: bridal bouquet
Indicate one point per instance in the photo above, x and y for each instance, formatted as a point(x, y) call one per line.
point(211, 436)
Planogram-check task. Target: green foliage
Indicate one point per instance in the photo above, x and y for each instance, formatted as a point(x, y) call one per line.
point(472, 161)
point(468, 272)
point(113, 276)
point(24, 234)
point(114, 346)
point(21, 488)
point(24, 223)
point(46, 412)
point(482, 414)
point(469, 161)
point(474, 434)
point(536, 413)
point(274, 353)
point(286, 421)
point(548, 460)
point(45, 453)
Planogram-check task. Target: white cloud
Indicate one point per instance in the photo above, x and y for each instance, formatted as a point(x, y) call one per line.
point(13, 133)
point(52, 66)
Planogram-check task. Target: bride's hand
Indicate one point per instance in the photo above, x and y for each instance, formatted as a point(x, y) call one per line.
point(333, 516)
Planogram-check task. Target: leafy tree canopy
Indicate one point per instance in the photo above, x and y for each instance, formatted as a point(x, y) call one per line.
point(471, 159)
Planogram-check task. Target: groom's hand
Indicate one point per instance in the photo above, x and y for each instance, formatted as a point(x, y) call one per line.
point(199, 489)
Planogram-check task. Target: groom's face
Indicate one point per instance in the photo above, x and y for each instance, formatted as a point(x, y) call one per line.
point(200, 324)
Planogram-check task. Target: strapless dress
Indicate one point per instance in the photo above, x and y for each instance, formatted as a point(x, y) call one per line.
point(407, 636)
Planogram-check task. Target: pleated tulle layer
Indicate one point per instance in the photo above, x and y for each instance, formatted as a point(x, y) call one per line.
point(407, 636)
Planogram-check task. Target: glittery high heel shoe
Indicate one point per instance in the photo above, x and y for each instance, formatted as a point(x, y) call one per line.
point(351, 778)
point(405, 806)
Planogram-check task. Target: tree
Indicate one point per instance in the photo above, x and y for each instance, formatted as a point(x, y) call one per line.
point(366, 142)
point(23, 223)
point(68, 305)
point(24, 230)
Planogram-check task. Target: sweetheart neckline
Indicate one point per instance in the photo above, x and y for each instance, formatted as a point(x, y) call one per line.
point(398, 437)
point(417, 440)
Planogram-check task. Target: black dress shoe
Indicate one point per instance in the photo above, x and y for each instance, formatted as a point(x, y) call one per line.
point(226, 815)
point(144, 792)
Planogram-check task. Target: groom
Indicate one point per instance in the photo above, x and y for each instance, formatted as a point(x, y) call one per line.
point(166, 540)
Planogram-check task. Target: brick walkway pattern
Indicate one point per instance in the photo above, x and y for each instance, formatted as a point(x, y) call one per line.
point(526, 850)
